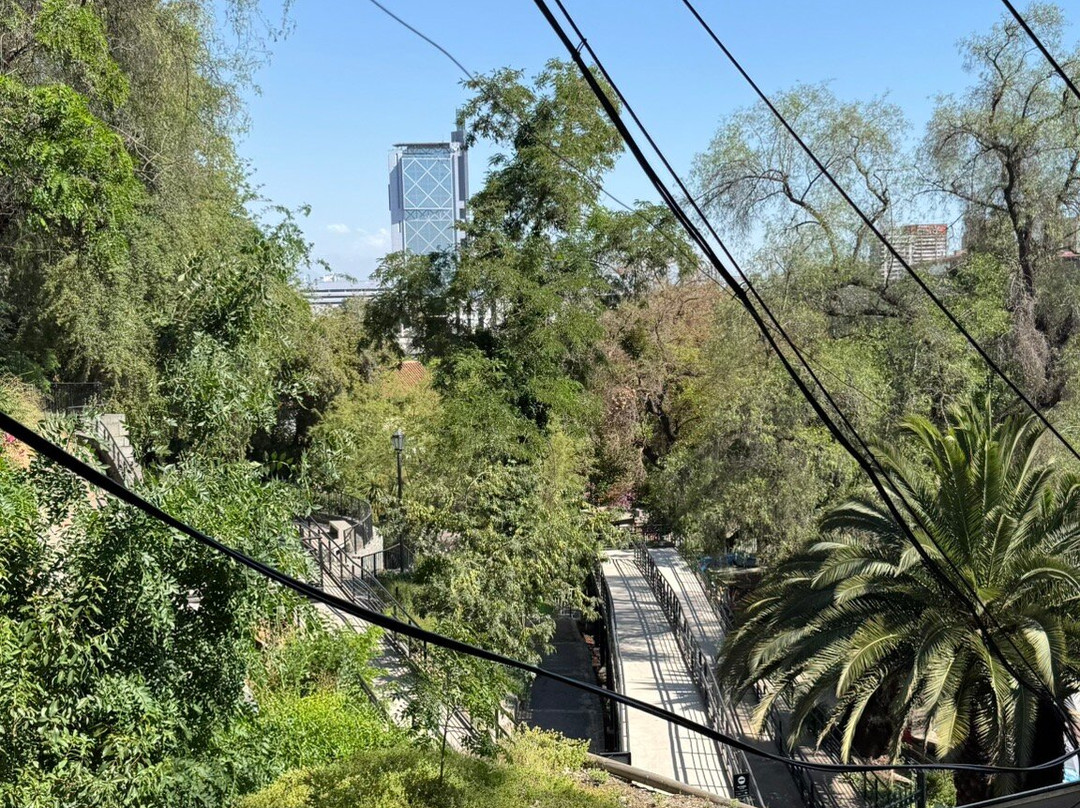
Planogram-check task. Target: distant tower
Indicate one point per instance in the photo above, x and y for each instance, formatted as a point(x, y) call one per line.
point(918, 244)
point(429, 185)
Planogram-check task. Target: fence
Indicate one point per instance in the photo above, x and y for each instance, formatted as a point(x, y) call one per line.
point(722, 715)
point(330, 504)
point(126, 467)
point(611, 661)
point(73, 396)
point(338, 567)
point(871, 788)
point(398, 558)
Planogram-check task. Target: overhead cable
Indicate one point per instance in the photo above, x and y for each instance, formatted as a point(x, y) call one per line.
point(98, 479)
point(1045, 52)
point(681, 246)
point(974, 343)
point(976, 607)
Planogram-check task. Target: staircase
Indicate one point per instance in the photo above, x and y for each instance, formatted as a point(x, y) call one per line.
point(109, 431)
point(401, 658)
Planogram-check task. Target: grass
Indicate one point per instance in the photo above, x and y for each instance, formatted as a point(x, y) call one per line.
point(532, 770)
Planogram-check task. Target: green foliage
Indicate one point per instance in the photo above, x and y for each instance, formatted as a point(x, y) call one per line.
point(75, 34)
point(123, 648)
point(309, 704)
point(855, 623)
point(754, 172)
point(534, 772)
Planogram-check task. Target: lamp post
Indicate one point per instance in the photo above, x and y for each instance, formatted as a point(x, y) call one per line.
point(398, 441)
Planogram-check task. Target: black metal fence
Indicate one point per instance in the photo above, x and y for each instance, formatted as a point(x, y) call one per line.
point(872, 789)
point(333, 505)
point(398, 558)
point(64, 397)
point(722, 715)
point(338, 568)
point(611, 662)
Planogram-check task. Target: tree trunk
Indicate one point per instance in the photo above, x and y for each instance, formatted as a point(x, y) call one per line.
point(971, 787)
point(1049, 743)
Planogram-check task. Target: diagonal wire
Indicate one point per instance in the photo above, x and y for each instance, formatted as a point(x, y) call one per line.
point(98, 479)
point(866, 463)
point(981, 608)
point(974, 343)
point(679, 245)
point(1038, 43)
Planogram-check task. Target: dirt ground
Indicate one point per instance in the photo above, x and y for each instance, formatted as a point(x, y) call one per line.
point(632, 796)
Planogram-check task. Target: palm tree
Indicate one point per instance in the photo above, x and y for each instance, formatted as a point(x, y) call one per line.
point(855, 624)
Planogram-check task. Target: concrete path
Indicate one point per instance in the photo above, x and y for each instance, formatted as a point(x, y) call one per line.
point(654, 671)
point(697, 608)
point(559, 707)
point(773, 779)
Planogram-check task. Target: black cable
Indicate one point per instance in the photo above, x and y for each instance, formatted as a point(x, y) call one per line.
point(1038, 43)
point(1041, 690)
point(744, 278)
point(1046, 693)
point(581, 173)
point(681, 246)
point(974, 343)
point(676, 209)
point(98, 479)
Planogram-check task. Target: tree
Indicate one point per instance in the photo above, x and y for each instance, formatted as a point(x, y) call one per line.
point(542, 257)
point(1009, 151)
point(653, 350)
point(754, 171)
point(856, 625)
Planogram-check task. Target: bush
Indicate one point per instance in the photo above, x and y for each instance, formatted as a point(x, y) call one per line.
point(533, 772)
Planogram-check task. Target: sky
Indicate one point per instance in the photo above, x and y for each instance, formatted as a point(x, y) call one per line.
point(348, 82)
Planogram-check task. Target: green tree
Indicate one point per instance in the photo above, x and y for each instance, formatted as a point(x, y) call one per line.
point(754, 171)
point(854, 623)
point(1009, 151)
point(124, 648)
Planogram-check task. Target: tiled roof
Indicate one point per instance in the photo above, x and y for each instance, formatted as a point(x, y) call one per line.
point(408, 374)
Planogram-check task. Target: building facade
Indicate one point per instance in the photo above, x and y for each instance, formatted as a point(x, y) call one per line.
point(917, 244)
point(429, 186)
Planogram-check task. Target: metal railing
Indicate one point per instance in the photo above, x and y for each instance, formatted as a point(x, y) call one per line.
point(722, 715)
point(129, 471)
point(876, 791)
point(362, 587)
point(65, 397)
point(333, 504)
point(611, 661)
point(398, 558)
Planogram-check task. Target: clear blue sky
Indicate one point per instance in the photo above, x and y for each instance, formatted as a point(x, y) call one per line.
point(348, 82)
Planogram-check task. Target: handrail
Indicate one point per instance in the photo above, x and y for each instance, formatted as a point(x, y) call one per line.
point(868, 787)
point(129, 471)
point(701, 668)
point(333, 562)
point(616, 679)
point(335, 503)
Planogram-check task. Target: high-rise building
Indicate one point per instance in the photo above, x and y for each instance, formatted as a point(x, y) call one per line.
point(917, 244)
point(429, 185)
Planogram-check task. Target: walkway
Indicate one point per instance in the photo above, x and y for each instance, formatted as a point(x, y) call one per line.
point(654, 672)
point(773, 779)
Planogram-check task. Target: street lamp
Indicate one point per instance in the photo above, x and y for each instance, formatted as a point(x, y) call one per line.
point(398, 441)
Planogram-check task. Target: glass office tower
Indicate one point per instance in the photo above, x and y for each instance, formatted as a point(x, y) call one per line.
point(429, 185)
